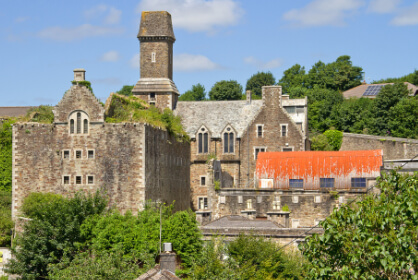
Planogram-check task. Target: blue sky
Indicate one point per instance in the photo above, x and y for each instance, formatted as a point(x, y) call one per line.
point(43, 41)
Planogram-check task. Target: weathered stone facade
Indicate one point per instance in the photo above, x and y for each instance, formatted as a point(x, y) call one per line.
point(132, 162)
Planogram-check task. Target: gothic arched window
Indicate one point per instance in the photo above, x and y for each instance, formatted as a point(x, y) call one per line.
point(86, 126)
point(228, 141)
point(71, 126)
point(203, 141)
point(79, 122)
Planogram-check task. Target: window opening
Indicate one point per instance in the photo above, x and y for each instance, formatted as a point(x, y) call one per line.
point(240, 200)
point(90, 180)
point(77, 154)
point(71, 126)
point(257, 151)
point(203, 203)
point(203, 142)
point(259, 131)
point(326, 182)
point(86, 126)
point(287, 149)
point(296, 183)
point(78, 122)
point(276, 203)
point(66, 154)
point(249, 204)
point(284, 130)
point(152, 95)
point(90, 153)
point(358, 182)
point(295, 199)
point(203, 181)
point(66, 180)
point(78, 180)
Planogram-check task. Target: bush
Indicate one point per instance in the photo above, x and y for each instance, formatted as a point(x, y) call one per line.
point(6, 223)
point(335, 139)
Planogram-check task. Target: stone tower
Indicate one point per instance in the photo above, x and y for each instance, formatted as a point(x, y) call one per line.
point(156, 39)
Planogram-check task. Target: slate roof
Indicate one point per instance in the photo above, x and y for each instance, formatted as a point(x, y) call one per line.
point(236, 221)
point(216, 115)
point(156, 24)
point(155, 85)
point(157, 274)
point(14, 111)
point(358, 91)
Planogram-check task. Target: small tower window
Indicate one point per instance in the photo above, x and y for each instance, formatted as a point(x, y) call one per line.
point(259, 130)
point(78, 123)
point(284, 130)
point(153, 57)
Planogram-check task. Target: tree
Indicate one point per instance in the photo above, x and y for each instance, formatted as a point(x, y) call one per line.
point(197, 93)
point(402, 118)
point(293, 77)
point(226, 90)
point(374, 239)
point(125, 90)
point(6, 155)
point(411, 78)
point(257, 81)
point(6, 223)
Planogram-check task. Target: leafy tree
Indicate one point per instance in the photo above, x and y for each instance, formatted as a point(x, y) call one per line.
point(376, 239)
point(126, 90)
point(6, 223)
point(293, 77)
point(6, 155)
point(226, 90)
point(335, 138)
point(403, 121)
point(411, 78)
point(52, 232)
point(197, 93)
point(353, 115)
point(257, 81)
point(320, 142)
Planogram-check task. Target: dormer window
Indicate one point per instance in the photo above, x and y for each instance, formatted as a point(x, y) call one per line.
point(79, 123)
point(203, 141)
point(228, 141)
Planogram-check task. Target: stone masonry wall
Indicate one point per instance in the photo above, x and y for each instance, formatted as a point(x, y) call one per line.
point(162, 67)
point(393, 148)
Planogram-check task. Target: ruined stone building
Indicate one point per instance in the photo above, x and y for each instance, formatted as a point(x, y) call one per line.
point(79, 151)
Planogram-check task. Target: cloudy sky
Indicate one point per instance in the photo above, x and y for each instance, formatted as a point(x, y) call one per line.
point(41, 42)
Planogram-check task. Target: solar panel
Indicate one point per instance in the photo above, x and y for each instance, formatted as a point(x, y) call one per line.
point(373, 90)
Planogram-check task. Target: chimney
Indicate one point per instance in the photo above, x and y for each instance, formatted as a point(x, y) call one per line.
point(248, 95)
point(168, 258)
point(79, 74)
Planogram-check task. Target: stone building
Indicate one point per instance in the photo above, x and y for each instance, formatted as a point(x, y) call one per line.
point(79, 151)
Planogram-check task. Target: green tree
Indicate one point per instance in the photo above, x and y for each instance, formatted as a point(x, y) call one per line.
point(353, 115)
point(52, 232)
point(411, 78)
point(6, 223)
point(226, 90)
point(257, 81)
point(293, 77)
point(403, 121)
point(6, 155)
point(376, 239)
point(197, 93)
point(125, 90)
point(335, 138)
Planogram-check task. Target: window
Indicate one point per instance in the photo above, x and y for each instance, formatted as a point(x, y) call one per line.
point(78, 122)
point(287, 149)
point(358, 182)
point(203, 141)
point(90, 153)
point(66, 180)
point(152, 95)
point(317, 199)
point(78, 180)
point(78, 154)
point(71, 126)
point(290, 110)
point(228, 141)
point(66, 154)
point(276, 203)
point(240, 199)
point(249, 204)
point(203, 180)
point(152, 103)
point(259, 130)
point(203, 203)
point(295, 223)
point(86, 126)
point(257, 151)
point(284, 130)
point(295, 199)
point(326, 182)
point(300, 110)
point(295, 183)
point(222, 199)
point(90, 180)
point(153, 57)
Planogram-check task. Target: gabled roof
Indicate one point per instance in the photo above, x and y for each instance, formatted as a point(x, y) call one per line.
point(359, 91)
point(216, 115)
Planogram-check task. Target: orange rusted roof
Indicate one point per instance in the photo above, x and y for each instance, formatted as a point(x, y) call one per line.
point(314, 164)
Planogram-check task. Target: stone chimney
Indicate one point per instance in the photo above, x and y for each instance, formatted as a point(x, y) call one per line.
point(79, 74)
point(248, 95)
point(168, 258)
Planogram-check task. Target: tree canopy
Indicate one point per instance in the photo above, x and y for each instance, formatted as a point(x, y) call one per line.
point(197, 93)
point(257, 81)
point(226, 90)
point(374, 239)
point(125, 90)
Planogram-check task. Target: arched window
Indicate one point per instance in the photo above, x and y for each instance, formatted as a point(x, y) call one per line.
point(86, 126)
point(229, 141)
point(78, 123)
point(203, 141)
point(71, 126)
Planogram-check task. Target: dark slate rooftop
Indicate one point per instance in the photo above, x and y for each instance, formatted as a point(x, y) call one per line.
point(156, 24)
point(14, 111)
point(216, 115)
point(236, 221)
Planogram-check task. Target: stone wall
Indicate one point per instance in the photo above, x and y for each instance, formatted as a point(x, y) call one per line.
point(393, 148)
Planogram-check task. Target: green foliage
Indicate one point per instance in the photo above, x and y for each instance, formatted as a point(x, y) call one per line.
point(134, 109)
point(410, 78)
point(257, 81)
point(217, 186)
point(353, 115)
point(292, 78)
point(210, 157)
point(138, 236)
point(402, 118)
point(197, 93)
point(375, 240)
point(6, 223)
point(52, 232)
point(125, 90)
point(335, 138)
point(285, 208)
point(226, 90)
point(33, 204)
point(87, 84)
point(6, 155)
point(96, 265)
point(40, 114)
point(320, 142)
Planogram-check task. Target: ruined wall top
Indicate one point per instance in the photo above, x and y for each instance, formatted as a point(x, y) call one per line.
point(156, 24)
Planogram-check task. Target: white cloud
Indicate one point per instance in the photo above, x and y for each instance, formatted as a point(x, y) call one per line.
point(196, 15)
point(110, 56)
point(274, 63)
point(79, 32)
point(383, 6)
point(134, 62)
point(111, 14)
point(192, 62)
point(408, 16)
point(323, 12)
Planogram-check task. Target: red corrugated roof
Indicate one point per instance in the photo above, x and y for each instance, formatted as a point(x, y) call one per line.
point(314, 164)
